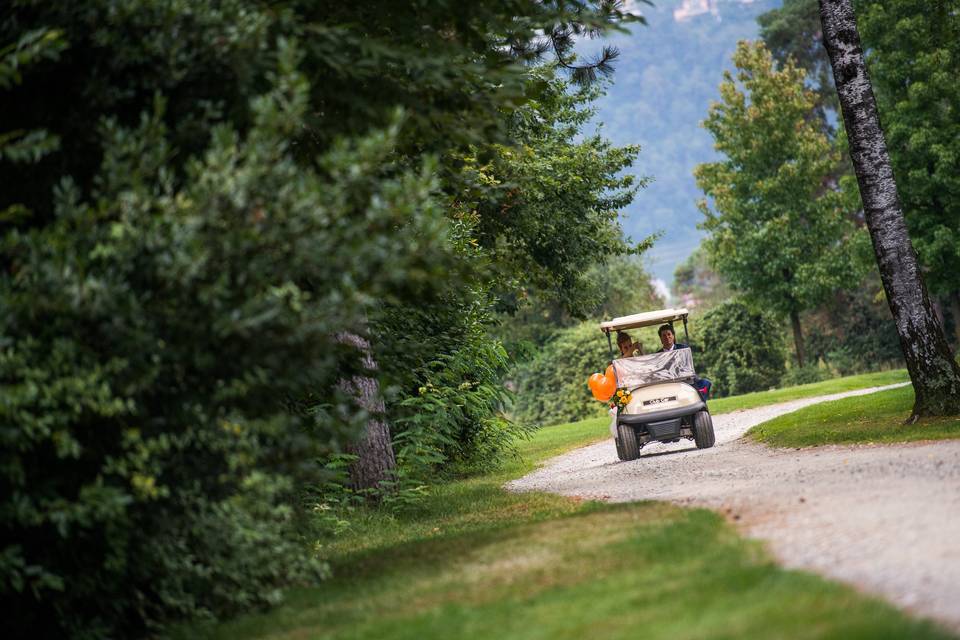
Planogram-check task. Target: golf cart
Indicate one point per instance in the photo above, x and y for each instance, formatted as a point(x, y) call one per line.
point(658, 399)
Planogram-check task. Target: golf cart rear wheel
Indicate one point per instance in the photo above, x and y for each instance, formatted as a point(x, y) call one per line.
point(703, 430)
point(627, 447)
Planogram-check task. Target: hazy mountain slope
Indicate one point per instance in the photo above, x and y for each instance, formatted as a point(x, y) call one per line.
point(665, 79)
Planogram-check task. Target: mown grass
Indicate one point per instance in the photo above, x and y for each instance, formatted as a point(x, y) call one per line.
point(826, 387)
point(646, 570)
point(876, 418)
point(474, 561)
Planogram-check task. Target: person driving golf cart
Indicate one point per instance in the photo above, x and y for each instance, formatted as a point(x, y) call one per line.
point(669, 342)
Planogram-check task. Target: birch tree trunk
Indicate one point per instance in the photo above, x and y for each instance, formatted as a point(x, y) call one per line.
point(375, 458)
point(933, 371)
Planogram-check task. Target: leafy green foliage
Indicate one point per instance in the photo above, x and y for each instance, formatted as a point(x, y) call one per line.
point(743, 350)
point(453, 418)
point(546, 207)
point(235, 184)
point(913, 53)
point(149, 336)
point(26, 145)
point(779, 231)
point(552, 387)
point(807, 374)
point(854, 332)
point(792, 32)
point(620, 285)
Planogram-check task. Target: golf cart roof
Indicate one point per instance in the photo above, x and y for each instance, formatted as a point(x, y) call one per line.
point(643, 319)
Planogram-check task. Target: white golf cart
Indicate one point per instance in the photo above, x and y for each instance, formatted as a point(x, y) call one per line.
point(664, 405)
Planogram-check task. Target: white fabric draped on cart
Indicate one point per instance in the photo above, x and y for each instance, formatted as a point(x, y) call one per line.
point(656, 367)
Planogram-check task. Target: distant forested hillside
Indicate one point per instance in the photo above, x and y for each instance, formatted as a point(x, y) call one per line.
point(665, 79)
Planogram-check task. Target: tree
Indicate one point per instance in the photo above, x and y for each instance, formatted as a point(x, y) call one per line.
point(933, 370)
point(546, 206)
point(913, 53)
point(779, 229)
point(793, 32)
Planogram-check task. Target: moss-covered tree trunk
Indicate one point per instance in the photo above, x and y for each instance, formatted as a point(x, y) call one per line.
point(955, 313)
point(375, 458)
point(933, 370)
point(797, 337)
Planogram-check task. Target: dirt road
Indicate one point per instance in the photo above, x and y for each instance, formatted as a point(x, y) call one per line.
point(885, 518)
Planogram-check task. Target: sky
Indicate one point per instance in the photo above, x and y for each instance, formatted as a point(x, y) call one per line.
point(667, 75)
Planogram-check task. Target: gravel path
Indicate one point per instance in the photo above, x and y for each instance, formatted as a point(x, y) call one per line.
point(885, 518)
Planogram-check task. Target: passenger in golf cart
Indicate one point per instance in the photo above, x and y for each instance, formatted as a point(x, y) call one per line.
point(653, 397)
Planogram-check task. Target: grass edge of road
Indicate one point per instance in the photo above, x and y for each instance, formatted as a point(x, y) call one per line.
point(473, 559)
point(877, 418)
point(811, 390)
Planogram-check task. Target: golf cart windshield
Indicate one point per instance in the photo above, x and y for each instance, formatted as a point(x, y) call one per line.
point(667, 366)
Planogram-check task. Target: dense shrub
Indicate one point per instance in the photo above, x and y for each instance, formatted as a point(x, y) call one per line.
point(855, 332)
point(804, 375)
point(743, 350)
point(552, 387)
point(444, 375)
point(151, 338)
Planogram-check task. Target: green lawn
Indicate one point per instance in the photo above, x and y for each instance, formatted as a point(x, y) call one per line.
point(875, 418)
point(473, 561)
point(836, 385)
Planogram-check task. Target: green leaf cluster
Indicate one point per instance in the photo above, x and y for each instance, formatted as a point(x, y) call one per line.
point(913, 54)
point(153, 332)
point(552, 387)
point(743, 349)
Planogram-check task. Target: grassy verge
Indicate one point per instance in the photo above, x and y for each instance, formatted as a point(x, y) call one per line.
point(836, 385)
point(875, 418)
point(473, 561)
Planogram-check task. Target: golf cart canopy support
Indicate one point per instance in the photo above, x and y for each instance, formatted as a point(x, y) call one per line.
point(645, 320)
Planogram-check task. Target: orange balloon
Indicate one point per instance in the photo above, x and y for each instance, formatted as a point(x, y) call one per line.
point(593, 382)
point(610, 374)
point(606, 387)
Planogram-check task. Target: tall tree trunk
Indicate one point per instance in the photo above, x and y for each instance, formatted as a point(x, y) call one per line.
point(797, 337)
point(375, 458)
point(933, 371)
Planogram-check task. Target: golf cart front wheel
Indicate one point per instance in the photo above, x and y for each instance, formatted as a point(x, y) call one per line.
point(627, 447)
point(703, 430)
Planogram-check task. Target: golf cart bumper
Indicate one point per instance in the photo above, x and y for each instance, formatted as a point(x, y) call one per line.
point(666, 424)
point(637, 419)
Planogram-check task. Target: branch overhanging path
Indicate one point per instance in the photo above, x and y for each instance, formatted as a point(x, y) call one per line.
point(881, 517)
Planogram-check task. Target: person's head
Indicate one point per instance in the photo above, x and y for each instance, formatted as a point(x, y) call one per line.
point(667, 339)
point(624, 342)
